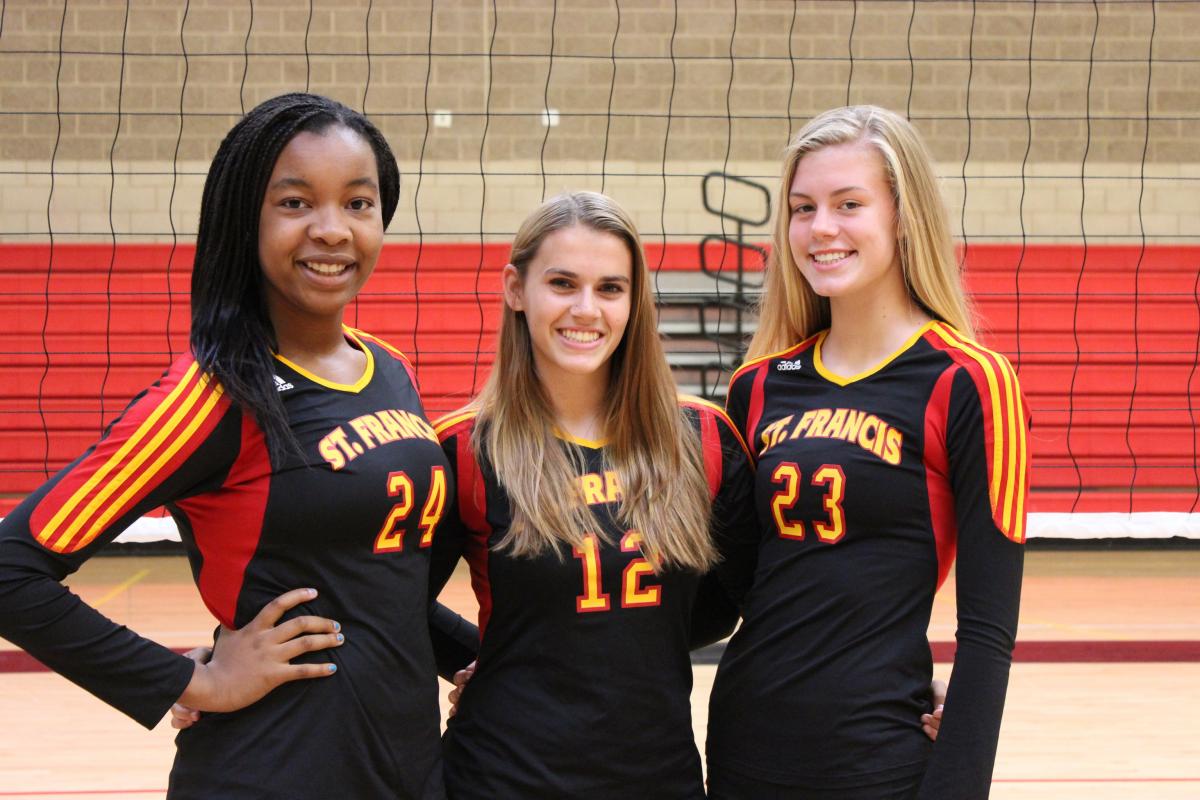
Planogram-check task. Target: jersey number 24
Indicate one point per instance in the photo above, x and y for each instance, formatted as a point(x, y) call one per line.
point(390, 538)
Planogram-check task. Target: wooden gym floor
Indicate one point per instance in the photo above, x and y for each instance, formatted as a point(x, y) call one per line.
point(1104, 700)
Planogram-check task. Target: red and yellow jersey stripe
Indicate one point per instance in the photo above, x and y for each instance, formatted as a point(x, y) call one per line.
point(712, 415)
point(443, 425)
point(158, 432)
point(1006, 424)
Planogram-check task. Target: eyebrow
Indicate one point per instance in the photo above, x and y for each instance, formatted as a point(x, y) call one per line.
point(843, 190)
point(566, 273)
point(300, 183)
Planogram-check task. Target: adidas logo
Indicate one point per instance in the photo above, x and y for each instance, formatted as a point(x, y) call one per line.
point(281, 385)
point(789, 366)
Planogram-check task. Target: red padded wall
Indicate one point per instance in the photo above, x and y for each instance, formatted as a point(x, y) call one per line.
point(1104, 342)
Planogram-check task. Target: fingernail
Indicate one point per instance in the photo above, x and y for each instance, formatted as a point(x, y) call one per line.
point(340, 638)
point(312, 592)
point(337, 626)
point(333, 668)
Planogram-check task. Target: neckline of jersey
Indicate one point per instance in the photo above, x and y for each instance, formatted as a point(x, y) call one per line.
point(840, 380)
point(353, 388)
point(594, 444)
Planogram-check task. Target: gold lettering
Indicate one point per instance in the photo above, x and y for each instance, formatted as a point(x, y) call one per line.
point(833, 429)
point(818, 423)
point(592, 488)
point(867, 440)
point(854, 421)
point(803, 425)
point(390, 425)
point(612, 487)
point(329, 451)
point(880, 438)
point(773, 432)
point(360, 426)
point(403, 423)
point(424, 429)
point(373, 424)
point(894, 446)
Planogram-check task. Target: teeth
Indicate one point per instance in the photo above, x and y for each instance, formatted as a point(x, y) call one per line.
point(321, 268)
point(582, 337)
point(829, 258)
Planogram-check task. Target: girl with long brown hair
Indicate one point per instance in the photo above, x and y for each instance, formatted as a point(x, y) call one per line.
point(589, 494)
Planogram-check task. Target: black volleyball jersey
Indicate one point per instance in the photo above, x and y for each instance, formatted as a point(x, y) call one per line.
point(583, 681)
point(865, 488)
point(354, 518)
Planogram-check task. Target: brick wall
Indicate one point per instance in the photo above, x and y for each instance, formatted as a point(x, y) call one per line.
point(679, 104)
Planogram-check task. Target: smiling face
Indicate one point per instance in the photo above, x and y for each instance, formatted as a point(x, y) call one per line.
point(576, 298)
point(320, 229)
point(842, 230)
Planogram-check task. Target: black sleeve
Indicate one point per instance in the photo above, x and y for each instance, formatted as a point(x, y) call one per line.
point(171, 442)
point(735, 521)
point(736, 534)
point(988, 579)
point(455, 640)
point(714, 615)
point(737, 402)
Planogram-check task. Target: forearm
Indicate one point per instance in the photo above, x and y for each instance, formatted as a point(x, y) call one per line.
point(137, 676)
point(989, 586)
point(455, 640)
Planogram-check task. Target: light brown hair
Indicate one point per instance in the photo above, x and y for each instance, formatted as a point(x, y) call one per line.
point(790, 311)
point(650, 445)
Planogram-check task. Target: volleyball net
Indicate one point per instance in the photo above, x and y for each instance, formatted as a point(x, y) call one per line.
point(1064, 133)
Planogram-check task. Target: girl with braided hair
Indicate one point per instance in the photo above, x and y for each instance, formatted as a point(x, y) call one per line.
point(291, 451)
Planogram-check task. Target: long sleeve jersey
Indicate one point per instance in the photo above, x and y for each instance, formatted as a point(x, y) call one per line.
point(352, 514)
point(866, 488)
point(583, 680)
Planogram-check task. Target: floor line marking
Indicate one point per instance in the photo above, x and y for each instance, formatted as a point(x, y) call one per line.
point(121, 587)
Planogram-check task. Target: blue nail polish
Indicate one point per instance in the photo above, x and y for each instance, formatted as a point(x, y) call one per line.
point(340, 638)
point(333, 668)
point(337, 626)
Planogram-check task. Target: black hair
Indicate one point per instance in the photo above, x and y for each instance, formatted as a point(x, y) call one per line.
point(232, 337)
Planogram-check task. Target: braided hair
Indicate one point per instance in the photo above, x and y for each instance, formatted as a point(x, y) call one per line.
point(232, 338)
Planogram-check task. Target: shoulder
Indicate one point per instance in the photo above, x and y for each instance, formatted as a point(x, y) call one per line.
point(381, 345)
point(705, 412)
point(982, 378)
point(750, 371)
point(183, 393)
point(708, 416)
point(981, 363)
point(384, 353)
point(456, 423)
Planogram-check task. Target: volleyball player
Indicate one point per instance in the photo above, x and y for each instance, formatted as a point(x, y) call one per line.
point(291, 451)
point(586, 493)
point(885, 440)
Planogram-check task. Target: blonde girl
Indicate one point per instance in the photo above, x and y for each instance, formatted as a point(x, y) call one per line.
point(886, 440)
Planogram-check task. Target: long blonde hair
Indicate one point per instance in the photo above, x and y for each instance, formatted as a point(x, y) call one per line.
point(651, 447)
point(790, 311)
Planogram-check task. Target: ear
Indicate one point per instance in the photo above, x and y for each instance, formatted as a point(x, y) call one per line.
point(514, 288)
